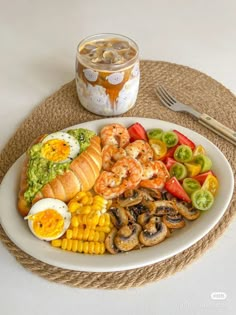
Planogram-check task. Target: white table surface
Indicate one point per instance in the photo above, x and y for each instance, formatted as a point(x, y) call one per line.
point(38, 43)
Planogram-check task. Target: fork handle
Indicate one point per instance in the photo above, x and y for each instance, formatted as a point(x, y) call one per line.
point(218, 128)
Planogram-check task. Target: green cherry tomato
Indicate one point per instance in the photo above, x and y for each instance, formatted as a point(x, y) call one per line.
point(204, 161)
point(202, 199)
point(170, 138)
point(190, 185)
point(183, 153)
point(178, 170)
point(155, 133)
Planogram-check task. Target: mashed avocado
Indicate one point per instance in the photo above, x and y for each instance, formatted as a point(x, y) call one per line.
point(83, 136)
point(41, 171)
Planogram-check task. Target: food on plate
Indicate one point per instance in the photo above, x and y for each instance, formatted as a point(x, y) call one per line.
point(58, 166)
point(48, 219)
point(135, 189)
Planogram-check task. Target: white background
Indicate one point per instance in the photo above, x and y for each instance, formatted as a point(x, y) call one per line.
point(38, 43)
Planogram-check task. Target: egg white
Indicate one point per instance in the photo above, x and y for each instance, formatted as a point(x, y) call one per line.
point(70, 140)
point(50, 203)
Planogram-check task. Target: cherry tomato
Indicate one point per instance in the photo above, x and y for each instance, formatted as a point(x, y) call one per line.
point(159, 148)
point(169, 138)
point(184, 140)
point(155, 133)
point(183, 153)
point(202, 199)
point(193, 169)
point(204, 161)
point(199, 150)
point(190, 185)
point(201, 177)
point(178, 170)
point(211, 183)
point(169, 162)
point(137, 132)
point(174, 187)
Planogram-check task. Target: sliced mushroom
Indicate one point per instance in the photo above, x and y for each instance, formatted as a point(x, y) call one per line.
point(118, 216)
point(150, 194)
point(127, 237)
point(164, 207)
point(130, 198)
point(144, 218)
point(109, 242)
point(136, 210)
point(175, 221)
point(155, 232)
point(187, 211)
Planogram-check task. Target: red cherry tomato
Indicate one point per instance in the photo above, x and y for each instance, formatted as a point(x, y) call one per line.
point(184, 140)
point(174, 187)
point(169, 162)
point(201, 177)
point(137, 132)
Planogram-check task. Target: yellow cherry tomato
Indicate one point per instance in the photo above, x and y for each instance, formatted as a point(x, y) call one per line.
point(159, 148)
point(199, 150)
point(211, 184)
point(193, 169)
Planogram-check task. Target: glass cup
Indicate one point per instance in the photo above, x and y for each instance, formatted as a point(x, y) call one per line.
point(107, 73)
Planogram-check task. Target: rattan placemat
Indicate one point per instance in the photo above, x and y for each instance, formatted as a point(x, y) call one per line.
point(62, 109)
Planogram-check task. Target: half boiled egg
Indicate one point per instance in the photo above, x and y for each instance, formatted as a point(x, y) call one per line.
point(48, 219)
point(60, 147)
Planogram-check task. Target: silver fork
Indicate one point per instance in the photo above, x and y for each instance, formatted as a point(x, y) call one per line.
point(172, 103)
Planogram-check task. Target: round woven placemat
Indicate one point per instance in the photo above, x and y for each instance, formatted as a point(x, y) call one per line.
point(62, 109)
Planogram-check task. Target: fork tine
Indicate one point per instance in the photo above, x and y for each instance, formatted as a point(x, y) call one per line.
point(163, 98)
point(163, 101)
point(167, 94)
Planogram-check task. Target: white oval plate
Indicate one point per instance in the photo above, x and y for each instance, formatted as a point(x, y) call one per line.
point(17, 229)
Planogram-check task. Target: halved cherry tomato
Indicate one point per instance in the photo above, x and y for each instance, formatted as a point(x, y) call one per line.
point(201, 177)
point(174, 187)
point(211, 183)
point(202, 199)
point(184, 140)
point(170, 152)
point(183, 153)
point(159, 148)
point(199, 150)
point(137, 132)
point(193, 169)
point(169, 162)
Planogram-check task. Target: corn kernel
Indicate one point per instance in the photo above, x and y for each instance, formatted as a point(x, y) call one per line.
point(85, 247)
point(64, 243)
point(69, 234)
point(69, 245)
point(80, 246)
point(80, 195)
point(74, 221)
point(74, 246)
point(91, 247)
point(85, 209)
point(56, 243)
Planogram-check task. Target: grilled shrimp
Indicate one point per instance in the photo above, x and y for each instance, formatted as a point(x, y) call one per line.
point(155, 175)
point(140, 150)
point(109, 185)
point(130, 170)
point(110, 155)
point(114, 134)
point(125, 174)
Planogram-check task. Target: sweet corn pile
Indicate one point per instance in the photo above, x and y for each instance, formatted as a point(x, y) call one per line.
point(89, 225)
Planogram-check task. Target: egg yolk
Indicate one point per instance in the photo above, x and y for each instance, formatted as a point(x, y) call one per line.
point(47, 223)
point(55, 150)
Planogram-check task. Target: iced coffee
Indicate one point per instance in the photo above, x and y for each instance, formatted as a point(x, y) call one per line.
point(107, 74)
